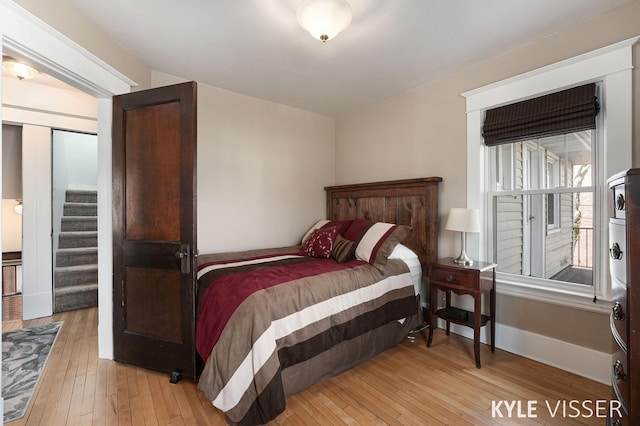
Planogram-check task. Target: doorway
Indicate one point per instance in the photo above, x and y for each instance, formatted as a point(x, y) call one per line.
point(74, 196)
point(11, 222)
point(24, 36)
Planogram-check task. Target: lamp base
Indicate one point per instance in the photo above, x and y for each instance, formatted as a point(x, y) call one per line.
point(463, 259)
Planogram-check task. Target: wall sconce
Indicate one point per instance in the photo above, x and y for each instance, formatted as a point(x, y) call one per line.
point(324, 19)
point(463, 220)
point(18, 69)
point(18, 207)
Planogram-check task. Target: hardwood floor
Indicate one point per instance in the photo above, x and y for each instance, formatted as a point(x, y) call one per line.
point(407, 385)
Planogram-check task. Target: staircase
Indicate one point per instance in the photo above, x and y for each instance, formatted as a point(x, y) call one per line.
point(76, 269)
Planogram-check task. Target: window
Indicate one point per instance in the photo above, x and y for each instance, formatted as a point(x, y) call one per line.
point(580, 187)
point(545, 218)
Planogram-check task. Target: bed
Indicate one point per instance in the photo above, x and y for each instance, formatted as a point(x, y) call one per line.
point(273, 322)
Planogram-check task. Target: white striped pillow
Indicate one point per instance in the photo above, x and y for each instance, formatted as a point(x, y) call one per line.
point(378, 242)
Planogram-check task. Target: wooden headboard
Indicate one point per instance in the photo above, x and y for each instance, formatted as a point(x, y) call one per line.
point(411, 202)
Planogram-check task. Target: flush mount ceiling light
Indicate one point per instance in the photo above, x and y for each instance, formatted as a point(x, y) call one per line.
point(324, 19)
point(18, 69)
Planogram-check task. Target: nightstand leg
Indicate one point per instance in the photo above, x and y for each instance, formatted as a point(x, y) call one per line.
point(492, 306)
point(448, 303)
point(476, 327)
point(433, 294)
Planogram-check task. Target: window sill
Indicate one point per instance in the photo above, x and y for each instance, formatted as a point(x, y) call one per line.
point(559, 296)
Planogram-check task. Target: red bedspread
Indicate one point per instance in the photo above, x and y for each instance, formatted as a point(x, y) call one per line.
point(266, 319)
point(227, 292)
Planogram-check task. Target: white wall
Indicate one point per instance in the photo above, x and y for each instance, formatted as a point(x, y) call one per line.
point(11, 227)
point(75, 166)
point(262, 167)
point(11, 162)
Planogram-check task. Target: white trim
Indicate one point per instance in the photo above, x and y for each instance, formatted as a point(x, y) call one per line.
point(26, 36)
point(582, 68)
point(42, 118)
point(585, 362)
point(612, 65)
point(569, 297)
point(37, 264)
point(105, 239)
point(31, 38)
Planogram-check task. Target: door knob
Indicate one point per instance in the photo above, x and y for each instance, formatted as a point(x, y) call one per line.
point(184, 254)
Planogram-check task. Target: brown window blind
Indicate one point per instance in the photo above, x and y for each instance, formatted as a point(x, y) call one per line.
point(567, 111)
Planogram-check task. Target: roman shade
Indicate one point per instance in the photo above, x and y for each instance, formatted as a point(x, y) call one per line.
point(567, 111)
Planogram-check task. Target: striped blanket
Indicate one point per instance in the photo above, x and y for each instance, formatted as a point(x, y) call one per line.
point(264, 319)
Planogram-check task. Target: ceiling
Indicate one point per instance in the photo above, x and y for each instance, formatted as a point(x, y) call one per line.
point(257, 48)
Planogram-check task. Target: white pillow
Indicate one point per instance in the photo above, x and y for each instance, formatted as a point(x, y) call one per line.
point(402, 252)
point(409, 257)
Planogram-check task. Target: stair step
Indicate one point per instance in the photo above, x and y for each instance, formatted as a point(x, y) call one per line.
point(79, 223)
point(76, 297)
point(81, 196)
point(78, 239)
point(77, 256)
point(80, 209)
point(67, 276)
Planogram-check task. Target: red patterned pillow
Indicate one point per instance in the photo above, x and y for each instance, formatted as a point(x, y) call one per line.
point(320, 243)
point(342, 226)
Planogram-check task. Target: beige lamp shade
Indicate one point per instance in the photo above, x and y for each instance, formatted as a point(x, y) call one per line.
point(463, 220)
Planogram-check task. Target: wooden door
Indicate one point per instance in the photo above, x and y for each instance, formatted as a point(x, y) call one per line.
point(154, 228)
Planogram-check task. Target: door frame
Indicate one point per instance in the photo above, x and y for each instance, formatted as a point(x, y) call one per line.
point(25, 36)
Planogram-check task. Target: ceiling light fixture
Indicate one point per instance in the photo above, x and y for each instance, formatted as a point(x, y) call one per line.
point(324, 19)
point(18, 69)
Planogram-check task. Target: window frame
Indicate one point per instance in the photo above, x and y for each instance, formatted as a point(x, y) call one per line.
point(554, 160)
point(612, 67)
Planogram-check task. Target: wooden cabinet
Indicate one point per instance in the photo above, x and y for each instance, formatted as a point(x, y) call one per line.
point(624, 252)
point(473, 280)
point(11, 286)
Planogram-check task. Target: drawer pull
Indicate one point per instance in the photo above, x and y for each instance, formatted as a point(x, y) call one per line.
point(618, 313)
point(620, 202)
point(450, 278)
point(618, 371)
point(615, 252)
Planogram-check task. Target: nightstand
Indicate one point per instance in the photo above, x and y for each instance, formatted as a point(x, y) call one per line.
point(474, 280)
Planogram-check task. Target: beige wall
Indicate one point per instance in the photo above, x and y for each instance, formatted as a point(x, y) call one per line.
point(61, 15)
point(422, 132)
point(262, 167)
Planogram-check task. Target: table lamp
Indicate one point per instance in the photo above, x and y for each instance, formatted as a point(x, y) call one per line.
point(463, 220)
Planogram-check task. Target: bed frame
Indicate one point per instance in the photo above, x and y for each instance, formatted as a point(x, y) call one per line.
point(411, 202)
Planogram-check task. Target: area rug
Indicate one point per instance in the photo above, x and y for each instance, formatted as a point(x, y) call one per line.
point(24, 354)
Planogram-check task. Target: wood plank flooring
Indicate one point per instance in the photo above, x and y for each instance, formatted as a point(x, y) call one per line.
point(406, 385)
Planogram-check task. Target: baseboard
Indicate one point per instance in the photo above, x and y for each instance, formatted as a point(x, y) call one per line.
point(585, 362)
point(37, 305)
point(105, 340)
